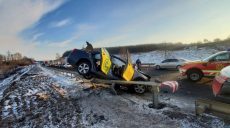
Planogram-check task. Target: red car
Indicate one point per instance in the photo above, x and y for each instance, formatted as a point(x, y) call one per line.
point(221, 83)
point(208, 67)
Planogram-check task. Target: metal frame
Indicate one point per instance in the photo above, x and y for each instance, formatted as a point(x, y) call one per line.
point(211, 106)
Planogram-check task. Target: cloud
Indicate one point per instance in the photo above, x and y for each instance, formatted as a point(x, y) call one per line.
point(62, 44)
point(61, 23)
point(36, 36)
point(114, 40)
point(15, 17)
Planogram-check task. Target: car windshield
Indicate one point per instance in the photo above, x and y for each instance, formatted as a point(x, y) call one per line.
point(117, 61)
point(212, 56)
point(164, 61)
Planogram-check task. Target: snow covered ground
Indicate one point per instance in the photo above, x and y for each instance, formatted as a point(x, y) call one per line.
point(15, 77)
point(44, 98)
point(158, 56)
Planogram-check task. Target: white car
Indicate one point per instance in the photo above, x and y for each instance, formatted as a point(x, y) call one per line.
point(170, 64)
point(67, 66)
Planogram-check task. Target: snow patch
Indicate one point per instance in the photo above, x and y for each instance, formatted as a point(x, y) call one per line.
point(158, 56)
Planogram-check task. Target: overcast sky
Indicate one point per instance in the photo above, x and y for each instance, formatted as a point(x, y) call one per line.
point(42, 28)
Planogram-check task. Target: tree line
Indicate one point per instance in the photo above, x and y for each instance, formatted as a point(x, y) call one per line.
point(14, 59)
point(167, 46)
point(10, 57)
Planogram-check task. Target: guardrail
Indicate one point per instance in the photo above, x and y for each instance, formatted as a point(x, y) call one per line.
point(212, 106)
point(111, 84)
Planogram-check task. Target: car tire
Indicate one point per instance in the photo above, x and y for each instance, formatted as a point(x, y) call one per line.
point(194, 75)
point(140, 89)
point(83, 68)
point(158, 67)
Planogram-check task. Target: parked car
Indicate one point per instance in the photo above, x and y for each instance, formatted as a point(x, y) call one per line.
point(221, 83)
point(170, 64)
point(103, 65)
point(67, 65)
point(208, 67)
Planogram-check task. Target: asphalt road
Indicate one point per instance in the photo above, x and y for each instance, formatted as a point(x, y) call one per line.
point(201, 89)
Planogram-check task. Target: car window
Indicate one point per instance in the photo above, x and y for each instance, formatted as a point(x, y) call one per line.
point(165, 61)
point(222, 57)
point(174, 60)
point(117, 62)
point(97, 56)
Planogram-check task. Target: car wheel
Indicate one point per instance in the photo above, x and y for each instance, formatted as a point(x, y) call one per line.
point(83, 68)
point(178, 66)
point(139, 89)
point(194, 75)
point(158, 67)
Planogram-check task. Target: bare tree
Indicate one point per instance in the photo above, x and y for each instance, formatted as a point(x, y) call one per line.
point(1, 58)
point(8, 56)
point(123, 53)
point(59, 58)
point(205, 41)
point(17, 56)
point(217, 40)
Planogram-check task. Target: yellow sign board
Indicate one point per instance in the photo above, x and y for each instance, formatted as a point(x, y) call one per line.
point(129, 70)
point(105, 61)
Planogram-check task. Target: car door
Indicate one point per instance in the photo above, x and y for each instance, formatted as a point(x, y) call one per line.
point(217, 63)
point(103, 65)
point(165, 63)
point(173, 63)
point(170, 63)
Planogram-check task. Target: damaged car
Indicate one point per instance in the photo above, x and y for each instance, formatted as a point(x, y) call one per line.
point(105, 66)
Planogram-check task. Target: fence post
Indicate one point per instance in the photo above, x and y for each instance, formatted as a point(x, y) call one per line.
point(112, 87)
point(155, 98)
